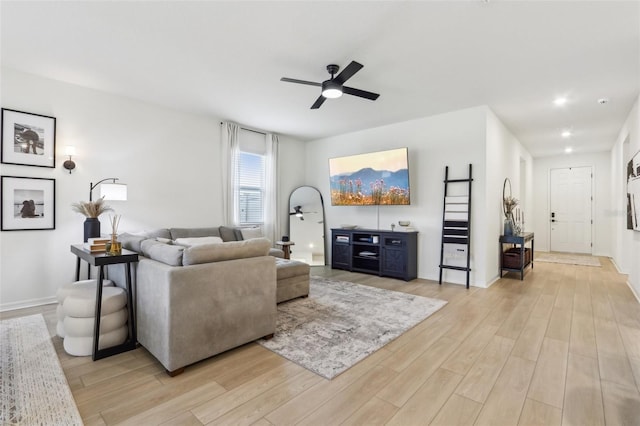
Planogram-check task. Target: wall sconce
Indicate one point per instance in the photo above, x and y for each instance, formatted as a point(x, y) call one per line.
point(69, 164)
point(110, 191)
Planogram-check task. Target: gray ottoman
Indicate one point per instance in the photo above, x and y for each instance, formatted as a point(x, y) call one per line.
point(293, 279)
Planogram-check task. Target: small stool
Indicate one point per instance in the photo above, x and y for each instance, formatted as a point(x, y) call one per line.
point(79, 319)
point(66, 289)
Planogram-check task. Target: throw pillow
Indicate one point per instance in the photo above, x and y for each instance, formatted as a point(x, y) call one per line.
point(249, 233)
point(228, 234)
point(188, 242)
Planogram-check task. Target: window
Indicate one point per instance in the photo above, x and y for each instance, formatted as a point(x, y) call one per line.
point(251, 188)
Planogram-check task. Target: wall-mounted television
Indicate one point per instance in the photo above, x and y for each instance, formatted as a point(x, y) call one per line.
point(375, 178)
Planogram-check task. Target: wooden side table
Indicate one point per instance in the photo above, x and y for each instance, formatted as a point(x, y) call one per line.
point(286, 247)
point(517, 241)
point(100, 260)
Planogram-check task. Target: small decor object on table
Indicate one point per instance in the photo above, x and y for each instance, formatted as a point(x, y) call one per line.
point(28, 203)
point(91, 210)
point(509, 203)
point(114, 247)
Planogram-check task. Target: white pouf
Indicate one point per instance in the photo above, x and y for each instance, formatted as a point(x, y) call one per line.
point(83, 327)
point(79, 319)
point(83, 346)
point(82, 302)
point(66, 289)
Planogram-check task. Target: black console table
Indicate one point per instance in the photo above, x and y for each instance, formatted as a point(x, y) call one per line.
point(384, 253)
point(100, 259)
point(522, 260)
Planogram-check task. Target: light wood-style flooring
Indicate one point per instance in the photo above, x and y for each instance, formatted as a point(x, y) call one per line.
point(561, 347)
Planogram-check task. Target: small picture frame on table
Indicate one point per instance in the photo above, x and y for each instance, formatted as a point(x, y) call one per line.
point(28, 139)
point(28, 204)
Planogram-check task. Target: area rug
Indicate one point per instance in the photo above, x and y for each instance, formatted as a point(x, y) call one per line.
point(33, 388)
point(569, 259)
point(341, 323)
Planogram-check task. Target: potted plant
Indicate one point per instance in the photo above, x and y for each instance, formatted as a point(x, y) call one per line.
point(91, 210)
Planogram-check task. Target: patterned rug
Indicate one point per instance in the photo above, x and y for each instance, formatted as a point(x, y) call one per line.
point(33, 388)
point(569, 259)
point(341, 323)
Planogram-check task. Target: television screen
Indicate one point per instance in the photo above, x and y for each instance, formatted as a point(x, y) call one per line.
point(375, 178)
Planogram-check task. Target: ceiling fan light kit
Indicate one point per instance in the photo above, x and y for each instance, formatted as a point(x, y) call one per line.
point(334, 87)
point(331, 90)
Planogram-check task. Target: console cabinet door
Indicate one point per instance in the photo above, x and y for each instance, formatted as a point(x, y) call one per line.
point(341, 251)
point(394, 257)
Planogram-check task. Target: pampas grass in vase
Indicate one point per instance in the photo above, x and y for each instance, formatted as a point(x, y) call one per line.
point(91, 210)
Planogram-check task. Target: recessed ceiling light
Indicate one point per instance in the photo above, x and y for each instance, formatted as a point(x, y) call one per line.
point(568, 150)
point(560, 101)
point(566, 134)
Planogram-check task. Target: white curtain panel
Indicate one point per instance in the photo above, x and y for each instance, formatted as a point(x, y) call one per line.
point(271, 211)
point(230, 151)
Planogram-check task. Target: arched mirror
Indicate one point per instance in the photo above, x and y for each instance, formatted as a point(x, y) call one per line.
point(306, 225)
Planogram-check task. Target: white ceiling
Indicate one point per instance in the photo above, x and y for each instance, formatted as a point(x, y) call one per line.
point(225, 59)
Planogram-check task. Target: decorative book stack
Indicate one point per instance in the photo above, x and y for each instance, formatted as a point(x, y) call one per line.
point(96, 244)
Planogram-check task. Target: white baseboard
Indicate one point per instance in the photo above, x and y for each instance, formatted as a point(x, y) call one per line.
point(633, 291)
point(27, 304)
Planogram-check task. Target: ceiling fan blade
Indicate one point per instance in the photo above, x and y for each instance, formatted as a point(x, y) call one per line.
point(360, 93)
point(293, 80)
point(318, 102)
point(348, 72)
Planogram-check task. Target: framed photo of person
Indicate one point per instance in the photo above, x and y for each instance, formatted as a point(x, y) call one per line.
point(28, 139)
point(28, 203)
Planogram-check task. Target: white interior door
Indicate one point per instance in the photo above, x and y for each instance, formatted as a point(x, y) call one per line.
point(570, 209)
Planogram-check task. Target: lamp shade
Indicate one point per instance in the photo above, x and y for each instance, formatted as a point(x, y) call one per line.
point(114, 191)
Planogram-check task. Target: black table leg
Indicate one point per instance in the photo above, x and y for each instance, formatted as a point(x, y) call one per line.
point(78, 269)
point(96, 329)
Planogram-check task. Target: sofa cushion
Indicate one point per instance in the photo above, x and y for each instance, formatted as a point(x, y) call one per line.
point(291, 268)
point(155, 233)
point(195, 241)
point(165, 253)
point(207, 253)
point(249, 233)
point(131, 241)
point(194, 232)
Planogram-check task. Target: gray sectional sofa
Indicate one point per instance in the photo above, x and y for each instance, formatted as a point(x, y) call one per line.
point(193, 302)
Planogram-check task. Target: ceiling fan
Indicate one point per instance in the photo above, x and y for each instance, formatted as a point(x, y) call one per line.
point(334, 87)
point(297, 211)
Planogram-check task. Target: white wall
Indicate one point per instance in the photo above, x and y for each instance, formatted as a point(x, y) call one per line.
point(506, 158)
point(170, 161)
point(601, 165)
point(454, 139)
point(625, 243)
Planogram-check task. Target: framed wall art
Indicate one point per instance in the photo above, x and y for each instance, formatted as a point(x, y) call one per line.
point(28, 203)
point(28, 139)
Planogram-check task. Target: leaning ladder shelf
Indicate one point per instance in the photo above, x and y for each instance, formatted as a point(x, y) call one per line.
point(456, 225)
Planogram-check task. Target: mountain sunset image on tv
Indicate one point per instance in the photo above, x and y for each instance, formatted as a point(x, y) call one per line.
point(375, 178)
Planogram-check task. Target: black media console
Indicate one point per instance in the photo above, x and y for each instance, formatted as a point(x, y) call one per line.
point(384, 253)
